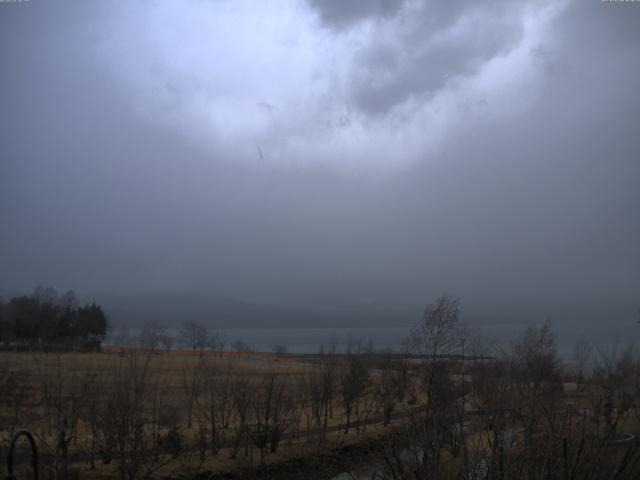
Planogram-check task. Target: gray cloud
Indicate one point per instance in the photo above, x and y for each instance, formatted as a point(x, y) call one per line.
point(496, 159)
point(418, 48)
point(379, 85)
point(340, 14)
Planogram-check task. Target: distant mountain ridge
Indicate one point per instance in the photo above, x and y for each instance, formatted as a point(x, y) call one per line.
point(221, 312)
point(171, 310)
point(7, 295)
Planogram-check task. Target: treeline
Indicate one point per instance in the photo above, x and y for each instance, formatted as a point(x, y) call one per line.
point(47, 320)
point(516, 411)
point(450, 407)
point(146, 411)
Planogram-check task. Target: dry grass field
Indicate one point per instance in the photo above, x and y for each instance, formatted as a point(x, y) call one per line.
point(133, 413)
point(182, 413)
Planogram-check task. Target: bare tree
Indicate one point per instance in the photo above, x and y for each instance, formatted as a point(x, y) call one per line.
point(152, 335)
point(241, 346)
point(191, 383)
point(280, 349)
point(195, 336)
point(123, 339)
point(93, 389)
point(217, 342)
point(536, 377)
point(581, 357)
point(298, 397)
point(329, 379)
point(270, 409)
point(535, 356)
point(389, 388)
point(438, 332)
point(18, 395)
point(124, 414)
point(241, 395)
point(217, 405)
point(615, 375)
point(316, 394)
point(61, 401)
point(510, 388)
point(166, 341)
point(436, 337)
point(354, 380)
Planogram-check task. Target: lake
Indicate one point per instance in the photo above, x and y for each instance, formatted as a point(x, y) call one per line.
point(604, 337)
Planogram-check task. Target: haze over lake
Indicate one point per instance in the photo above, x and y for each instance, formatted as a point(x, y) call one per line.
point(427, 177)
point(311, 154)
point(605, 338)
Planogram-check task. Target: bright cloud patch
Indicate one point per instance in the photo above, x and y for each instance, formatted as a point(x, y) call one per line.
point(286, 82)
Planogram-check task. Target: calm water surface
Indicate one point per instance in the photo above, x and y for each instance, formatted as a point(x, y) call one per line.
point(604, 337)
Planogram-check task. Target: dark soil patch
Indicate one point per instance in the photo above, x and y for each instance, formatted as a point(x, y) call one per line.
point(321, 466)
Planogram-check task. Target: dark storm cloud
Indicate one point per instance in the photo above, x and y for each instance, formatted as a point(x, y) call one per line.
point(422, 46)
point(342, 14)
point(380, 85)
point(489, 151)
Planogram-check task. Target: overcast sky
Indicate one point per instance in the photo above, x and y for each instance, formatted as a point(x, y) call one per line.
point(370, 152)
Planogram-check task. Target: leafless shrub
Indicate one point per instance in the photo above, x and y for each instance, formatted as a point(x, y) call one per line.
point(354, 380)
point(191, 385)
